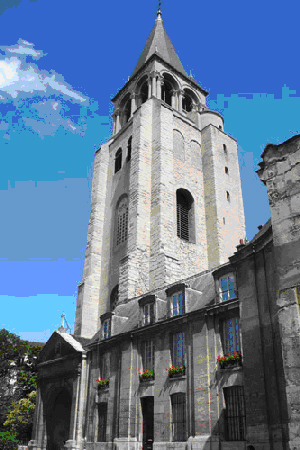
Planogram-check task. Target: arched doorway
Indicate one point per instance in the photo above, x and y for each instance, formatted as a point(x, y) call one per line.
point(58, 421)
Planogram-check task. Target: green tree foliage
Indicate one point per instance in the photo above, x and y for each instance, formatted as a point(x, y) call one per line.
point(18, 383)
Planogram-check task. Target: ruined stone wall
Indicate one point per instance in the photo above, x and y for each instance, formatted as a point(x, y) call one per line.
point(280, 171)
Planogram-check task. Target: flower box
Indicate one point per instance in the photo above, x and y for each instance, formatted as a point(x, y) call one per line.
point(176, 371)
point(230, 360)
point(102, 383)
point(147, 375)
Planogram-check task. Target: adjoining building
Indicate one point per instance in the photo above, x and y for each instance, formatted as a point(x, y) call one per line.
point(186, 335)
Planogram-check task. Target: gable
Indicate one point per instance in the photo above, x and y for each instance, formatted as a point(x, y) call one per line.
point(60, 344)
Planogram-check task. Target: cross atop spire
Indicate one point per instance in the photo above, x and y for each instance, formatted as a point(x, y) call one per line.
point(159, 9)
point(159, 42)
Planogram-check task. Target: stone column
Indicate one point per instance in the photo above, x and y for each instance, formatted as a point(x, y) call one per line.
point(153, 80)
point(197, 110)
point(158, 86)
point(114, 123)
point(118, 126)
point(173, 101)
point(149, 87)
point(179, 97)
point(133, 103)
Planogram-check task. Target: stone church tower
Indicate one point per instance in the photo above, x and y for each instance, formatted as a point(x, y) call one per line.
point(166, 198)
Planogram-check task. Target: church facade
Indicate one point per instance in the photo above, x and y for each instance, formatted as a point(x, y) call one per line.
point(186, 335)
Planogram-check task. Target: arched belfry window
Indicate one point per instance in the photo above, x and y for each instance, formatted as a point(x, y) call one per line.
point(114, 297)
point(144, 92)
point(127, 111)
point(186, 103)
point(118, 160)
point(166, 92)
point(184, 210)
point(122, 221)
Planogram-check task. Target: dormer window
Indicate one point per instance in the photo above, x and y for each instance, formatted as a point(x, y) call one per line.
point(147, 310)
point(227, 288)
point(106, 328)
point(177, 304)
point(177, 299)
point(148, 313)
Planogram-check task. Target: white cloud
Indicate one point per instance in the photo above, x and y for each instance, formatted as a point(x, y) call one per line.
point(16, 75)
point(25, 51)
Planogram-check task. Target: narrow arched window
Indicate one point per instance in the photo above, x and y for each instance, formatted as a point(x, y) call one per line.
point(226, 169)
point(118, 160)
point(122, 221)
point(228, 196)
point(129, 144)
point(184, 202)
point(225, 149)
point(114, 297)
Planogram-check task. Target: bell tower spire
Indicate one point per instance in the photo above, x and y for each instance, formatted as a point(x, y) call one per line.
point(166, 196)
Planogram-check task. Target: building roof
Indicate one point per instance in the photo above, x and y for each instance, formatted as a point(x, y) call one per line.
point(159, 42)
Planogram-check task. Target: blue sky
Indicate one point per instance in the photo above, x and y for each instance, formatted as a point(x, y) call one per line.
point(60, 64)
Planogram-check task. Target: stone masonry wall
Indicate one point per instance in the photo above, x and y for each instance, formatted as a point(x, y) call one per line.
point(225, 221)
point(87, 313)
point(188, 175)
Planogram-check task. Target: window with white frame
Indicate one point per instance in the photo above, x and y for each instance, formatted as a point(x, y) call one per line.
point(148, 313)
point(106, 328)
point(148, 355)
point(178, 417)
point(177, 304)
point(235, 413)
point(227, 289)
point(231, 335)
point(178, 356)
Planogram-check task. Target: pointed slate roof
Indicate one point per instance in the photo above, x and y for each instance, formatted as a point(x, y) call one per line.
point(159, 42)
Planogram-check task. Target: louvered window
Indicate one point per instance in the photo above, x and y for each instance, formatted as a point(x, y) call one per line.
point(102, 422)
point(122, 221)
point(235, 413)
point(178, 417)
point(184, 203)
